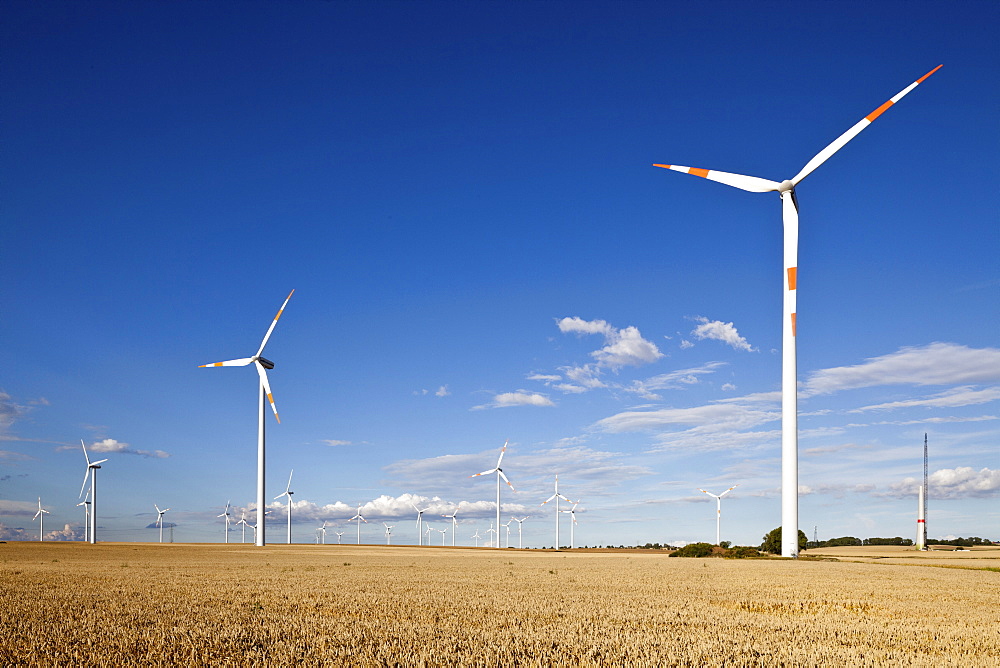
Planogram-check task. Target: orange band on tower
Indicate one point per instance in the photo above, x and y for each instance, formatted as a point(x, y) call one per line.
point(791, 277)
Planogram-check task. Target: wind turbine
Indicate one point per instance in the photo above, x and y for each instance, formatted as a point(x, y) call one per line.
point(360, 519)
point(288, 492)
point(572, 525)
point(226, 515)
point(477, 537)
point(556, 496)
point(790, 218)
point(339, 534)
point(427, 533)
point(454, 525)
point(500, 474)
point(388, 533)
point(443, 532)
point(322, 532)
point(86, 517)
point(243, 523)
point(507, 526)
point(718, 511)
point(491, 530)
point(40, 516)
point(159, 519)
point(92, 470)
point(262, 365)
point(519, 523)
point(420, 522)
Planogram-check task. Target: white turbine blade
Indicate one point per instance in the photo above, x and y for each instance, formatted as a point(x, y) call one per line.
point(85, 455)
point(99, 461)
point(157, 508)
point(267, 388)
point(840, 141)
point(502, 451)
point(728, 491)
point(85, 475)
point(240, 362)
point(709, 493)
point(750, 183)
point(289, 485)
point(548, 499)
point(505, 479)
point(476, 475)
point(273, 323)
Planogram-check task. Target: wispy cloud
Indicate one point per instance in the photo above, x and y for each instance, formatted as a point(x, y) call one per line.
point(933, 364)
point(110, 445)
point(518, 398)
point(955, 397)
point(332, 442)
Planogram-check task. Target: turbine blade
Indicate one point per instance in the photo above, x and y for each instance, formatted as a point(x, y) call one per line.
point(267, 391)
point(749, 183)
point(840, 141)
point(502, 451)
point(505, 479)
point(273, 323)
point(483, 473)
point(99, 461)
point(548, 499)
point(85, 475)
point(85, 455)
point(240, 362)
point(289, 485)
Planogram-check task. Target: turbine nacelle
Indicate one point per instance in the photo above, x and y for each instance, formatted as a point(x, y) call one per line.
point(264, 362)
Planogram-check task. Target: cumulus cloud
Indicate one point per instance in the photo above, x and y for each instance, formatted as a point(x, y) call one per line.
point(385, 507)
point(66, 533)
point(110, 445)
point(519, 398)
point(623, 347)
point(13, 533)
point(716, 330)
point(442, 391)
point(957, 483)
point(933, 364)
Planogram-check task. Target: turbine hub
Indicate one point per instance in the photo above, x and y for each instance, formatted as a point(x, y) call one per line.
point(785, 186)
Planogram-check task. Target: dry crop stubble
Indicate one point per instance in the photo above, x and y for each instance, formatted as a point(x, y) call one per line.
point(130, 604)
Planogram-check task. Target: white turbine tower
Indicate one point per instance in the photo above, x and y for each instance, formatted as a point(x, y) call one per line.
point(322, 532)
point(40, 516)
point(718, 512)
point(262, 365)
point(454, 525)
point(572, 525)
point(500, 474)
point(519, 523)
point(420, 522)
point(159, 519)
point(86, 517)
point(388, 533)
point(257, 522)
point(443, 532)
point(92, 471)
point(491, 530)
point(339, 534)
point(427, 533)
point(360, 519)
point(507, 526)
point(477, 537)
point(288, 492)
point(225, 514)
point(556, 496)
point(789, 394)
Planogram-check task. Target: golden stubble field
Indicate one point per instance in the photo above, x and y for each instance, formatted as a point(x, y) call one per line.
point(150, 604)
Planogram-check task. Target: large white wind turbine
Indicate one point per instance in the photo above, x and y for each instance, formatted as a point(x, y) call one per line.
point(790, 217)
point(500, 474)
point(159, 519)
point(420, 522)
point(718, 511)
point(519, 523)
point(360, 519)
point(556, 496)
point(454, 525)
point(225, 514)
point(40, 516)
point(262, 365)
point(288, 492)
point(92, 471)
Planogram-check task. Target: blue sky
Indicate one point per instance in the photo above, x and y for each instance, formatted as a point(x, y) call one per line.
point(462, 197)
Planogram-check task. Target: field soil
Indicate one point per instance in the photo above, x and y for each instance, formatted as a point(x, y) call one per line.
point(199, 605)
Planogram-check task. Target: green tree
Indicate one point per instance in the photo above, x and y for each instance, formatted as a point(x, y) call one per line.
point(772, 541)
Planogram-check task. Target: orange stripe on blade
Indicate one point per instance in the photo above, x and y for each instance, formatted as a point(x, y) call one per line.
point(921, 79)
point(698, 172)
point(792, 271)
point(218, 364)
point(878, 112)
point(664, 166)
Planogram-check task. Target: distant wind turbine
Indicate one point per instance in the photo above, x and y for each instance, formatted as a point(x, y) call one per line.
point(86, 517)
point(339, 534)
point(556, 496)
point(288, 492)
point(454, 525)
point(789, 391)
point(92, 471)
point(322, 532)
point(40, 516)
point(572, 525)
point(493, 531)
point(519, 523)
point(443, 532)
point(243, 523)
point(262, 365)
point(360, 519)
point(388, 533)
point(225, 514)
point(159, 519)
point(718, 511)
point(420, 522)
point(507, 526)
point(500, 474)
point(477, 537)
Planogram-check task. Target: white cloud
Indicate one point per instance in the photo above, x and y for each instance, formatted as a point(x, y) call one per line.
point(332, 442)
point(957, 483)
point(442, 391)
point(623, 347)
point(675, 380)
point(66, 533)
point(715, 417)
point(545, 378)
point(110, 445)
point(28, 508)
point(933, 364)
point(12, 533)
point(716, 330)
point(519, 398)
point(581, 326)
point(955, 397)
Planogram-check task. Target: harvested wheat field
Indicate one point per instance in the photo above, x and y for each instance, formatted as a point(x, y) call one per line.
point(150, 604)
